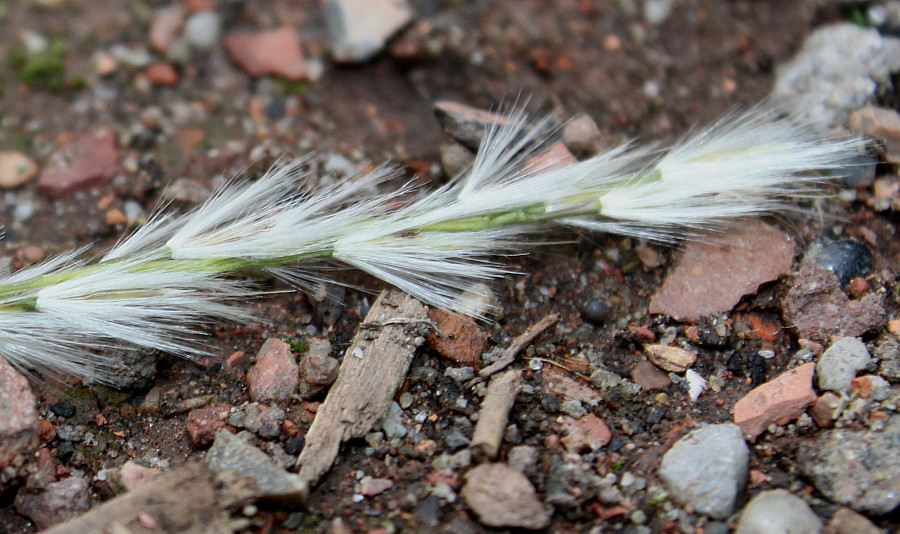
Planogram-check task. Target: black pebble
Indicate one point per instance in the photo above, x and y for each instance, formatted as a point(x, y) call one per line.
point(595, 311)
point(846, 258)
point(63, 409)
point(294, 520)
point(64, 451)
point(293, 446)
point(615, 444)
point(550, 403)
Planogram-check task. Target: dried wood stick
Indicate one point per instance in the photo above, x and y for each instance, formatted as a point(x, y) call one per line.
point(509, 355)
point(191, 499)
point(494, 413)
point(373, 369)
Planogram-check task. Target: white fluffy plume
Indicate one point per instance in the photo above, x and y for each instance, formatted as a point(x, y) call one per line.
point(157, 288)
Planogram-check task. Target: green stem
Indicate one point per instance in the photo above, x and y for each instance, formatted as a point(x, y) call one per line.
point(30, 286)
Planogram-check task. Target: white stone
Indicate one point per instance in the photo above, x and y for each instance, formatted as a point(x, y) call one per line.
point(358, 29)
point(840, 364)
point(202, 30)
point(778, 512)
point(707, 469)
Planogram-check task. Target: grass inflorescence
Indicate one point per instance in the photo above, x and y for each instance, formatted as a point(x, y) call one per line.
point(158, 287)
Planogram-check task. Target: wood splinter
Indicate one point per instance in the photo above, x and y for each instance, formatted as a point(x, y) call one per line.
point(372, 371)
point(494, 413)
point(509, 355)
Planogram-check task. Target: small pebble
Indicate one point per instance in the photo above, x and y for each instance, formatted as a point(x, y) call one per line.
point(840, 364)
point(63, 409)
point(846, 258)
point(777, 401)
point(595, 311)
point(393, 422)
point(502, 497)
point(460, 374)
point(673, 359)
point(707, 469)
point(359, 29)
point(15, 169)
point(202, 30)
point(573, 408)
point(582, 135)
point(778, 512)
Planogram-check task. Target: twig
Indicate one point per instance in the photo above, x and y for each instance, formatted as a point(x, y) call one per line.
point(494, 413)
point(509, 355)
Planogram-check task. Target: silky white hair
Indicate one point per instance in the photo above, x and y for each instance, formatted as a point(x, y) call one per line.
point(157, 288)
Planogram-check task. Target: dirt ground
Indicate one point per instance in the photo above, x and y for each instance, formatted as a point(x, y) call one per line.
point(636, 79)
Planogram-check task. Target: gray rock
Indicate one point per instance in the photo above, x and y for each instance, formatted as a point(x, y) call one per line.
point(708, 469)
point(657, 11)
point(856, 468)
point(261, 420)
point(778, 512)
point(885, 15)
point(840, 364)
point(523, 458)
point(466, 124)
point(61, 501)
point(19, 420)
point(393, 422)
point(573, 407)
point(888, 351)
point(233, 453)
point(502, 497)
point(358, 29)
point(605, 379)
point(460, 374)
point(202, 30)
point(836, 71)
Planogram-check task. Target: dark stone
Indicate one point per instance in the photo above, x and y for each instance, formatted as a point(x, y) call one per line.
point(429, 510)
point(858, 172)
point(293, 446)
point(64, 451)
point(846, 258)
point(550, 403)
point(456, 440)
point(294, 520)
point(656, 415)
point(595, 311)
point(615, 444)
point(63, 409)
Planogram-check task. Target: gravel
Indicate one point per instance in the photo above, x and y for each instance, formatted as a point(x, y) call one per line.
point(840, 364)
point(778, 512)
point(846, 258)
point(234, 453)
point(502, 497)
point(836, 71)
point(707, 469)
point(857, 468)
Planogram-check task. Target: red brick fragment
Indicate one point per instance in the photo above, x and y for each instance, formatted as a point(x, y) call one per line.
point(777, 401)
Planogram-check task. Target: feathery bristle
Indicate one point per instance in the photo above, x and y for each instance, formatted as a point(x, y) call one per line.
point(157, 288)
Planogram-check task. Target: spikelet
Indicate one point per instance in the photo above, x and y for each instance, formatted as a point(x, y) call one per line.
point(157, 288)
